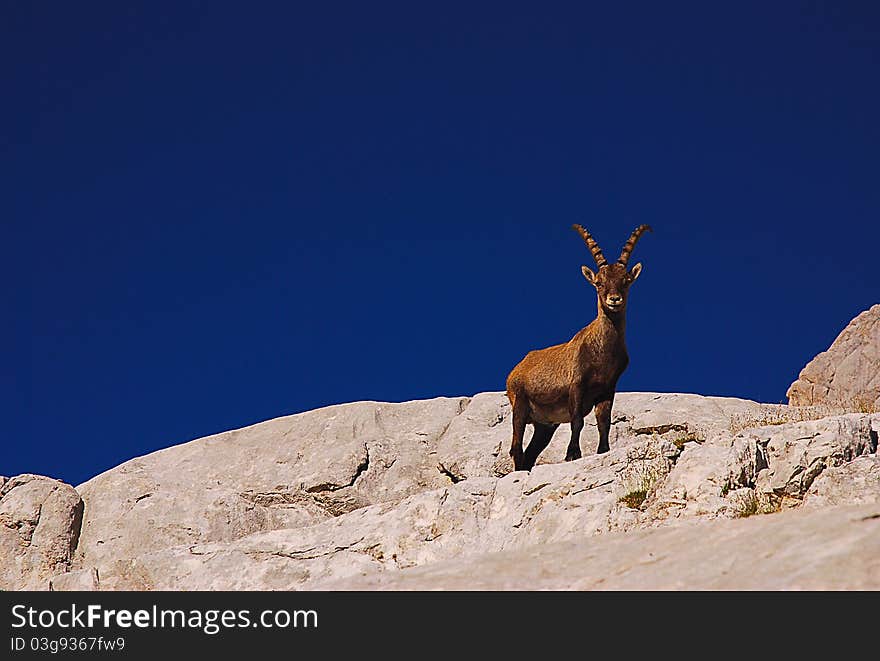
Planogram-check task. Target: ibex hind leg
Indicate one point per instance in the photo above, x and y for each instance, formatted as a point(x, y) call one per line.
point(540, 440)
point(520, 419)
point(574, 445)
point(577, 410)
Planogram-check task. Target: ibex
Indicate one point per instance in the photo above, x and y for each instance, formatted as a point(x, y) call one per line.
point(563, 383)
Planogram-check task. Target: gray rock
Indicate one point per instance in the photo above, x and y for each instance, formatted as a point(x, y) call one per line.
point(39, 526)
point(853, 483)
point(82, 580)
point(471, 517)
point(370, 488)
point(847, 375)
point(828, 549)
point(777, 463)
point(700, 481)
point(284, 473)
point(306, 468)
point(793, 455)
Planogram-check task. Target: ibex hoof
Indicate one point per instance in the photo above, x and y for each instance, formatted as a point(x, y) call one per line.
point(518, 461)
point(572, 455)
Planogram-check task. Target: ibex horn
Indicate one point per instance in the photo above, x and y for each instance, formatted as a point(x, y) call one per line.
point(631, 243)
point(592, 245)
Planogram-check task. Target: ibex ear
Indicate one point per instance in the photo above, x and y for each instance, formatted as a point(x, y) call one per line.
point(635, 271)
point(589, 275)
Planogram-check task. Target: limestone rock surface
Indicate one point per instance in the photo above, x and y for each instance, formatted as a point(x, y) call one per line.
point(830, 549)
point(847, 374)
point(40, 520)
point(370, 494)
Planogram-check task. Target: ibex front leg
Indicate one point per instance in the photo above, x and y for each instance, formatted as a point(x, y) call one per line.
point(576, 414)
point(603, 422)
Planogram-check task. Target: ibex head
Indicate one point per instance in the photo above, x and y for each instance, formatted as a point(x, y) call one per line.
point(612, 281)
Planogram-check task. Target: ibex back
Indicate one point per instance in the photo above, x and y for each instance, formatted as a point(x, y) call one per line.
point(564, 382)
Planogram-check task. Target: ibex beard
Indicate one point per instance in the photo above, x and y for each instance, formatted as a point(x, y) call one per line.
point(563, 383)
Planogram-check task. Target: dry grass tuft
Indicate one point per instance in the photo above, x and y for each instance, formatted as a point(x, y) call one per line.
point(751, 503)
point(639, 480)
point(781, 414)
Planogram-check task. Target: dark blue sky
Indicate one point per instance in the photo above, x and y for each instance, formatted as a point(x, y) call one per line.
point(221, 213)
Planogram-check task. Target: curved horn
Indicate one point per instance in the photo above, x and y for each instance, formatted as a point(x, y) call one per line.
point(592, 245)
point(631, 243)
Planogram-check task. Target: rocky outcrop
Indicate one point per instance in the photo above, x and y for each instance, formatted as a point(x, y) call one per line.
point(40, 521)
point(474, 516)
point(856, 482)
point(646, 481)
point(767, 467)
point(353, 491)
point(303, 469)
point(847, 375)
